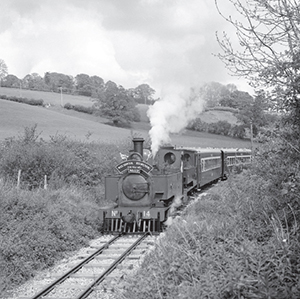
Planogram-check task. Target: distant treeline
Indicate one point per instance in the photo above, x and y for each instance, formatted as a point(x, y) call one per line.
point(81, 84)
point(221, 127)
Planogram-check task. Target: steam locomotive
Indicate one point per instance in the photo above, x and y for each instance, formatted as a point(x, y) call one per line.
point(145, 188)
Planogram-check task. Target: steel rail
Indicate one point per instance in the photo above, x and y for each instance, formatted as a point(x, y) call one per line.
point(51, 286)
point(112, 267)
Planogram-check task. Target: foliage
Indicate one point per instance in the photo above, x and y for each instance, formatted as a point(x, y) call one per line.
point(59, 82)
point(89, 86)
point(239, 241)
point(221, 127)
point(39, 227)
point(3, 70)
point(218, 95)
point(116, 103)
point(63, 161)
point(11, 81)
point(143, 94)
point(34, 82)
point(79, 108)
point(32, 102)
point(270, 54)
point(222, 108)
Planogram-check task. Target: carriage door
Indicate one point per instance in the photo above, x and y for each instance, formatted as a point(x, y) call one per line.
point(198, 167)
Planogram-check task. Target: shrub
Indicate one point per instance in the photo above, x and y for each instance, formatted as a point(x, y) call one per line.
point(220, 127)
point(38, 228)
point(33, 102)
point(63, 161)
point(68, 106)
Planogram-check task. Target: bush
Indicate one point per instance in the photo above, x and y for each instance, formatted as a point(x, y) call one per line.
point(40, 227)
point(68, 106)
point(32, 102)
point(220, 127)
point(79, 108)
point(63, 161)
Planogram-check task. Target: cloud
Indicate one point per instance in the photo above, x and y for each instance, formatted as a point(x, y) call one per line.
point(158, 42)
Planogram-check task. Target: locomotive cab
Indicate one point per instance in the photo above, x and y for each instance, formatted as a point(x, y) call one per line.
point(167, 160)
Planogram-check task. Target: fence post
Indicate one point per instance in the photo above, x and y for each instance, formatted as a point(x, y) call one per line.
point(45, 182)
point(19, 178)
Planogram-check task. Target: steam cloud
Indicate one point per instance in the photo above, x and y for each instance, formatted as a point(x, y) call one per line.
point(172, 113)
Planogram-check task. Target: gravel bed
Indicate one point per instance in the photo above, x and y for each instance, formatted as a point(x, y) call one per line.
point(108, 289)
point(45, 277)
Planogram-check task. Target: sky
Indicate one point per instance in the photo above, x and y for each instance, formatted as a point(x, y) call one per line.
point(131, 42)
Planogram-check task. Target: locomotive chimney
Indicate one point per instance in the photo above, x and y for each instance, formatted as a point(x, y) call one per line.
point(138, 145)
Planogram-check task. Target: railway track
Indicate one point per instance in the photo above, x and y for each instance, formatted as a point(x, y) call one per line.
point(86, 279)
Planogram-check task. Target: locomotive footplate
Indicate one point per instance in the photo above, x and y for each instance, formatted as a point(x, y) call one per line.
point(134, 220)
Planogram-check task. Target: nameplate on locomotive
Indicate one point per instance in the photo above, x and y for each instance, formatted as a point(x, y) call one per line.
point(133, 166)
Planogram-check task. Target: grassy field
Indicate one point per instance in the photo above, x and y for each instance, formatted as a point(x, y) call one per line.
point(52, 98)
point(14, 117)
point(207, 116)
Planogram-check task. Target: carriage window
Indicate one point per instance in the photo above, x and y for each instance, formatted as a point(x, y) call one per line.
point(230, 160)
point(210, 163)
point(169, 158)
point(246, 159)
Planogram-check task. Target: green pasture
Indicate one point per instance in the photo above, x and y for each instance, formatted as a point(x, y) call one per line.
point(53, 98)
point(14, 117)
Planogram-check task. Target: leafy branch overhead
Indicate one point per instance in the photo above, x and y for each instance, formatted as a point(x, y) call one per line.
point(269, 49)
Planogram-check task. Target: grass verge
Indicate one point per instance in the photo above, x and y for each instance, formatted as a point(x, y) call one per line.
point(39, 227)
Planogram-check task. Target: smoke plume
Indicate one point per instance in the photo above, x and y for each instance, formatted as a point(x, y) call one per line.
point(172, 113)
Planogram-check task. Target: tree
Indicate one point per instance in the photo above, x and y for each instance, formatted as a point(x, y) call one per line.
point(236, 99)
point(55, 81)
point(89, 86)
point(98, 85)
point(143, 94)
point(11, 81)
point(3, 70)
point(213, 92)
point(253, 112)
point(83, 85)
point(116, 103)
point(269, 56)
point(33, 81)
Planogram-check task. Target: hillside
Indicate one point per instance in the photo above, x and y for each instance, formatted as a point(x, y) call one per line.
point(56, 120)
point(53, 98)
point(14, 117)
point(210, 116)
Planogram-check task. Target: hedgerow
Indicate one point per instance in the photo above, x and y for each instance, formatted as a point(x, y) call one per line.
point(23, 100)
point(79, 108)
point(61, 160)
point(221, 127)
